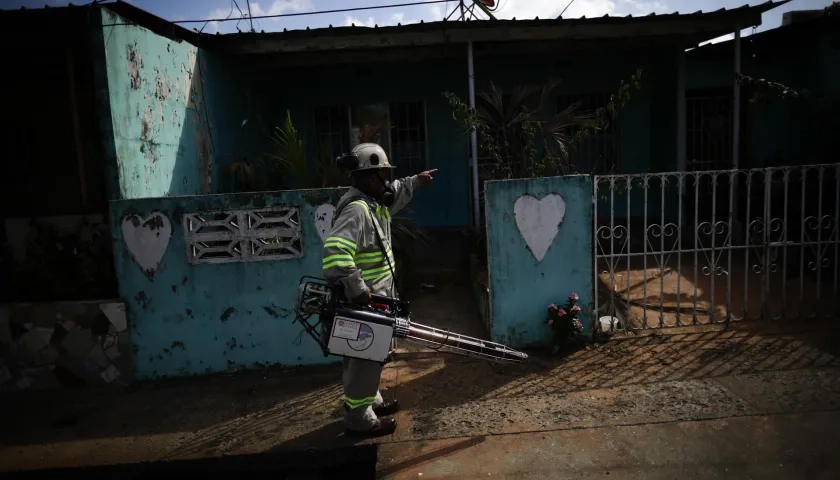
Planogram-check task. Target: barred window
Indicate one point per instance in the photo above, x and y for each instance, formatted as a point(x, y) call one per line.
point(331, 128)
point(598, 153)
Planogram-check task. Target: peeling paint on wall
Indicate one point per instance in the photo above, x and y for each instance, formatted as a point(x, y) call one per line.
point(162, 132)
point(133, 64)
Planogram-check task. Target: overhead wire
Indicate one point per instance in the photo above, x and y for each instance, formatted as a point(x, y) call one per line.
point(567, 7)
point(317, 12)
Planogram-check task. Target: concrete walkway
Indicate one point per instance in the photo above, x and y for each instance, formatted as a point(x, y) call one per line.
point(775, 446)
point(736, 404)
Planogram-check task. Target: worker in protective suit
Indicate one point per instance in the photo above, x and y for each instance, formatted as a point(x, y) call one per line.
point(354, 259)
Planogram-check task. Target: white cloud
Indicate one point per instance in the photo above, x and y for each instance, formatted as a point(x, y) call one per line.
point(277, 7)
point(370, 22)
point(391, 20)
point(546, 9)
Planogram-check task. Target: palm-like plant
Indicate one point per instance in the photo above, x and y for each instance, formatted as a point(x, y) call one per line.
point(514, 123)
point(289, 155)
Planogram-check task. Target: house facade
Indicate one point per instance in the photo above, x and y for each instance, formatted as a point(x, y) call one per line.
point(169, 112)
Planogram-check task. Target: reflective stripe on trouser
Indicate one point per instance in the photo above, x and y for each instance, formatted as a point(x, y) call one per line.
point(361, 392)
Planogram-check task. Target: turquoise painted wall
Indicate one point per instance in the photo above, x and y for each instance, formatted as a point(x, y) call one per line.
point(157, 94)
point(195, 319)
point(521, 288)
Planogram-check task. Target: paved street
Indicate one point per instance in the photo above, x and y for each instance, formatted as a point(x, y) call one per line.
point(736, 404)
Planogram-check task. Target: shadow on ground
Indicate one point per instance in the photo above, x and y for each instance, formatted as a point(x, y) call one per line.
point(356, 462)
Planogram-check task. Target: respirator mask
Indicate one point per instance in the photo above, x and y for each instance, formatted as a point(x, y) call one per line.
point(389, 195)
point(349, 162)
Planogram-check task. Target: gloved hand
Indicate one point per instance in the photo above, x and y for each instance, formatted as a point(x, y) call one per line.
point(426, 177)
point(363, 298)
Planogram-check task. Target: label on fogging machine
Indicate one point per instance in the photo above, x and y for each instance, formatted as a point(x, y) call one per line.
point(346, 329)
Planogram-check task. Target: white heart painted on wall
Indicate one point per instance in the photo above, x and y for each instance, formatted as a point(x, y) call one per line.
point(147, 239)
point(323, 220)
point(539, 221)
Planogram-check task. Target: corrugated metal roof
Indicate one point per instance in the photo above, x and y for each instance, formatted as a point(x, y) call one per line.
point(783, 33)
point(699, 21)
point(537, 21)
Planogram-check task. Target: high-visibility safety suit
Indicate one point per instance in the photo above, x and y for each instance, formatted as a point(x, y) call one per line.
point(353, 257)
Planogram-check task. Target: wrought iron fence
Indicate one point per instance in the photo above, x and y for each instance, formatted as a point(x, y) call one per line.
point(687, 248)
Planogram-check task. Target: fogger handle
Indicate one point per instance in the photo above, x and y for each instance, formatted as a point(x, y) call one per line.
point(392, 302)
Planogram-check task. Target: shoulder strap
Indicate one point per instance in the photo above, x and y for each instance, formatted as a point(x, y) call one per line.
point(342, 205)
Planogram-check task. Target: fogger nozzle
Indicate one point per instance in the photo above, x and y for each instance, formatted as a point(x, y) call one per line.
point(451, 342)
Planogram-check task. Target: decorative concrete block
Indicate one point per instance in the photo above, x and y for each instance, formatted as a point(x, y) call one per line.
point(113, 352)
point(110, 374)
point(36, 339)
point(46, 357)
point(97, 354)
point(116, 315)
point(77, 343)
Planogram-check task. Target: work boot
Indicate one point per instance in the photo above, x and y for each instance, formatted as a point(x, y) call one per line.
point(383, 426)
point(387, 408)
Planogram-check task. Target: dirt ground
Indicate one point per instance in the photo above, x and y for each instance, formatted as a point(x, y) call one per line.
point(700, 373)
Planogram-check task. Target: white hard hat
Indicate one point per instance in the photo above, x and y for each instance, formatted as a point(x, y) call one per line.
point(371, 157)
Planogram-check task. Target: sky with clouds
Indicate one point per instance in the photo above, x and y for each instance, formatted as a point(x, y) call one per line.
point(177, 10)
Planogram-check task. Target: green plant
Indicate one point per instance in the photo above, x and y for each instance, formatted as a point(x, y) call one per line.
point(290, 160)
point(564, 322)
point(520, 136)
point(289, 156)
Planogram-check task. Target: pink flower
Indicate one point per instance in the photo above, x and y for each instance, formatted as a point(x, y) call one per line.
point(574, 297)
point(561, 312)
point(575, 308)
point(552, 307)
point(550, 322)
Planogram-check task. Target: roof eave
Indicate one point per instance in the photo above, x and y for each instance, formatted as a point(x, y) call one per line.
point(699, 26)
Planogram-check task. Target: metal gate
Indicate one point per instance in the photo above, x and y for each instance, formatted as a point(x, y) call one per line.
point(703, 247)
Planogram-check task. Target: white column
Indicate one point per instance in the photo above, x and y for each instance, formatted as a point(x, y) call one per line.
point(473, 137)
point(736, 106)
point(681, 114)
point(682, 164)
